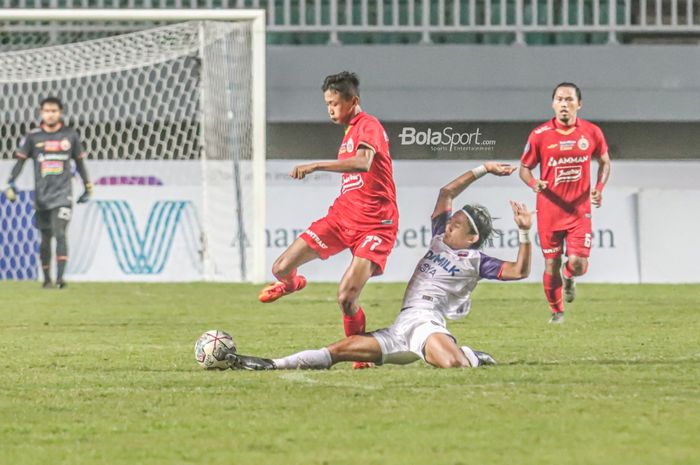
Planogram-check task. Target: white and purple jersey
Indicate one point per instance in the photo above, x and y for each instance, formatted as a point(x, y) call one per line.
point(445, 278)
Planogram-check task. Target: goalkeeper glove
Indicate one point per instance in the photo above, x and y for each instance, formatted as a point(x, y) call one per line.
point(87, 194)
point(11, 192)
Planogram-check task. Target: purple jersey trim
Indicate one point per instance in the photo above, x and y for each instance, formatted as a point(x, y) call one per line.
point(490, 268)
point(439, 222)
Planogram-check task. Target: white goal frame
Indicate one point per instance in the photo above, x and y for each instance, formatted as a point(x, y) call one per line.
point(257, 269)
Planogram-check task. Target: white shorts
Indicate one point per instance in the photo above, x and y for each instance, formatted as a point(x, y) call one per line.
point(404, 341)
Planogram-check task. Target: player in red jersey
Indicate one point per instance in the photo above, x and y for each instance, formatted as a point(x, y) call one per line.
point(364, 218)
point(564, 148)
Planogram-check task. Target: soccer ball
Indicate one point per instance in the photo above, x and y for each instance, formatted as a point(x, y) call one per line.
point(211, 348)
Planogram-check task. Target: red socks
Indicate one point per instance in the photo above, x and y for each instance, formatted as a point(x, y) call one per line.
point(553, 291)
point(354, 324)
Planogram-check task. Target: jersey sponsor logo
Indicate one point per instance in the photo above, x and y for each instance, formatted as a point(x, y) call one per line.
point(565, 145)
point(55, 145)
point(316, 239)
point(567, 160)
point(351, 182)
point(583, 143)
point(552, 146)
point(567, 174)
point(51, 168)
point(441, 262)
point(542, 129)
point(426, 268)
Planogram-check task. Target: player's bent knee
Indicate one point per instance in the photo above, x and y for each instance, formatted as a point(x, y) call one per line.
point(578, 265)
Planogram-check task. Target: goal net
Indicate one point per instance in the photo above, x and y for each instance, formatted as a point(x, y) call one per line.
point(172, 119)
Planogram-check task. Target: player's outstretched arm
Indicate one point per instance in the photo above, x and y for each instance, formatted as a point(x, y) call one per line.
point(604, 167)
point(537, 185)
point(360, 163)
point(451, 190)
point(520, 268)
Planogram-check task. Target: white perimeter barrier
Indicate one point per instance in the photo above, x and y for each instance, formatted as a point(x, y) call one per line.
point(645, 231)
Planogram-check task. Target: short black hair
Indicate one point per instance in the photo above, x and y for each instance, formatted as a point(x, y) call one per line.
point(345, 83)
point(53, 101)
point(567, 84)
point(482, 220)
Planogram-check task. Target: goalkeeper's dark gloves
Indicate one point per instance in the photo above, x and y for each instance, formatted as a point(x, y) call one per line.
point(11, 192)
point(87, 194)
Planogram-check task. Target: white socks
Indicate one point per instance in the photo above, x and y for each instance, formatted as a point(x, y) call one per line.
point(471, 356)
point(306, 360)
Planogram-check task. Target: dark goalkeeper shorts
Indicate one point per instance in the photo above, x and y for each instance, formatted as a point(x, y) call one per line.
point(53, 219)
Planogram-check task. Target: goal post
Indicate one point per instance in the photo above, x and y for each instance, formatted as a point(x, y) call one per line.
point(232, 130)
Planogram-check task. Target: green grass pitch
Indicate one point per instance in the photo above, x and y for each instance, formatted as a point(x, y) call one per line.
point(105, 374)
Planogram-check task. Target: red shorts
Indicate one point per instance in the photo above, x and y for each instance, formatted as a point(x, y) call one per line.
point(578, 240)
point(328, 237)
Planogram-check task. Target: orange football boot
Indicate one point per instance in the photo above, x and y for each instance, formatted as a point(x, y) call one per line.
point(278, 289)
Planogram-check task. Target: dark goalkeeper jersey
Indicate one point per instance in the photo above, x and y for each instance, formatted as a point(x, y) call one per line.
point(52, 153)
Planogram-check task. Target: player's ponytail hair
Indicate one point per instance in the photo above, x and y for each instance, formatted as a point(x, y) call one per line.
point(345, 83)
point(483, 222)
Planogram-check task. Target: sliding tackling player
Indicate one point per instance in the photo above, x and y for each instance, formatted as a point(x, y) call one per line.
point(440, 289)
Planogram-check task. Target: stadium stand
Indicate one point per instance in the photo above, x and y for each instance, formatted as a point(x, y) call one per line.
point(300, 22)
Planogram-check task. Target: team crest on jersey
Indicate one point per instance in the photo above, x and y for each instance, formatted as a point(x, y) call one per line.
point(65, 145)
point(583, 143)
point(350, 146)
point(567, 174)
point(565, 145)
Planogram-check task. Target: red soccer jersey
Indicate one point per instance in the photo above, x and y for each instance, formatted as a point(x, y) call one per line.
point(564, 154)
point(367, 199)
